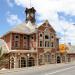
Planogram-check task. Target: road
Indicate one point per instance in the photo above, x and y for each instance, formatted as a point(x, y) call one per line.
point(52, 69)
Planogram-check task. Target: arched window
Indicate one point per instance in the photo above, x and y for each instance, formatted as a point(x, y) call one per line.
point(47, 40)
point(12, 62)
point(23, 62)
point(40, 34)
point(46, 37)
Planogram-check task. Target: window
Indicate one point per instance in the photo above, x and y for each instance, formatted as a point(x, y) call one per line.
point(47, 57)
point(16, 44)
point(52, 36)
point(40, 35)
point(46, 37)
point(40, 43)
point(24, 37)
point(31, 62)
point(32, 37)
point(16, 37)
point(47, 44)
point(23, 62)
point(24, 44)
point(41, 57)
point(52, 44)
point(12, 62)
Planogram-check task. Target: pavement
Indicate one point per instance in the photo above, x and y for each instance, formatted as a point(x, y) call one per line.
point(49, 69)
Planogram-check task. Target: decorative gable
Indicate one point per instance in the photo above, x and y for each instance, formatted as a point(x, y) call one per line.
point(46, 27)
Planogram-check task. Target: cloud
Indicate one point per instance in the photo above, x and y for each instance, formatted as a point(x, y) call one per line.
point(48, 9)
point(13, 19)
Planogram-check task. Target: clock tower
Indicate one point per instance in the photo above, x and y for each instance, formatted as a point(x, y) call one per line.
point(30, 14)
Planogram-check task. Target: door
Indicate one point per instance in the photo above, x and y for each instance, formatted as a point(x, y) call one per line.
point(31, 62)
point(58, 59)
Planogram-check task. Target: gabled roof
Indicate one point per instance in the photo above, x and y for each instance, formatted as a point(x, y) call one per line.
point(46, 23)
point(27, 28)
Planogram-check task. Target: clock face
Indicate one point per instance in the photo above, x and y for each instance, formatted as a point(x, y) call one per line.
point(32, 14)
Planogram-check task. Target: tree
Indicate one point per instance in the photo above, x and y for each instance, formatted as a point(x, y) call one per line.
point(3, 59)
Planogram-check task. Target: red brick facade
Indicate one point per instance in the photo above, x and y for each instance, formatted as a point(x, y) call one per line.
point(38, 46)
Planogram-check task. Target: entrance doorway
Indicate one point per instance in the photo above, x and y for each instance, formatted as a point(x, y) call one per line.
point(58, 59)
point(31, 62)
point(23, 62)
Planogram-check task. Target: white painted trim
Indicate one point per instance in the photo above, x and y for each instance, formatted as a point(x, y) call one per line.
point(17, 40)
point(25, 40)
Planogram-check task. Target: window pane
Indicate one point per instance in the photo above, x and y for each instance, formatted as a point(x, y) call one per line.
point(46, 37)
point(40, 43)
point(40, 35)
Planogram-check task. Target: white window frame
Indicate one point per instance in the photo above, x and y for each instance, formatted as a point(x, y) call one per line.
point(25, 40)
point(18, 40)
point(42, 44)
point(46, 32)
point(15, 39)
point(41, 37)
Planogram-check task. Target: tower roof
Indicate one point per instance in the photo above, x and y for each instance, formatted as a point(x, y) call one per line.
point(30, 10)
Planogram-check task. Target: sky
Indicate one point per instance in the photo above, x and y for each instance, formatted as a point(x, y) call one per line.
point(59, 13)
